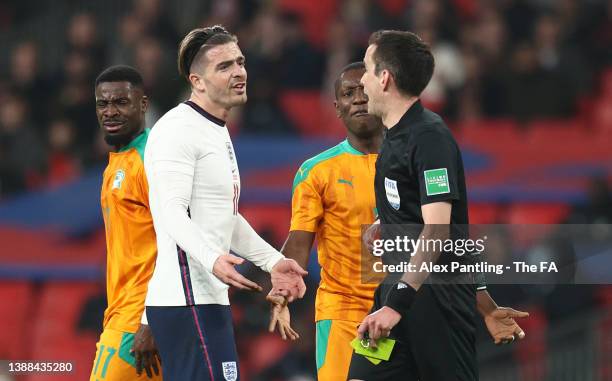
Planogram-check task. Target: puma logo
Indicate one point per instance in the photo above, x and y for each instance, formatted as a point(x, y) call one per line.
point(348, 182)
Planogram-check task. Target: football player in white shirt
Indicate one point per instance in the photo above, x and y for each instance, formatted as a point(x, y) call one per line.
point(194, 188)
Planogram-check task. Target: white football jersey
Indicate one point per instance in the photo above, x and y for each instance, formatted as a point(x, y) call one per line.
point(194, 189)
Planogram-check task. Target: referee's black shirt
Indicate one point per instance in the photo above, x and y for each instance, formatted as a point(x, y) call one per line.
point(419, 163)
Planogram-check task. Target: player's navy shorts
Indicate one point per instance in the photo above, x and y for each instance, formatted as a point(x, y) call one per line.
point(195, 342)
point(435, 341)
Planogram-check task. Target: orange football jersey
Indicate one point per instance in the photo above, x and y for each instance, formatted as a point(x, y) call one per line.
point(130, 236)
point(333, 196)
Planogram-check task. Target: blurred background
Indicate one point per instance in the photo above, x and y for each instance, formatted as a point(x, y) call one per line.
point(525, 85)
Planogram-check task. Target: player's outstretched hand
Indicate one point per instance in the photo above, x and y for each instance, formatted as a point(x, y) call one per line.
point(145, 352)
point(502, 326)
point(286, 277)
point(280, 317)
point(378, 324)
point(225, 271)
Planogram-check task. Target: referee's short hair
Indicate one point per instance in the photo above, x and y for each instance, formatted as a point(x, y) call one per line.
point(406, 56)
point(197, 42)
point(120, 73)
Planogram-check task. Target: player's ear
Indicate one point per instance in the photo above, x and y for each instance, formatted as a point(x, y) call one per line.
point(385, 79)
point(144, 103)
point(196, 82)
point(338, 113)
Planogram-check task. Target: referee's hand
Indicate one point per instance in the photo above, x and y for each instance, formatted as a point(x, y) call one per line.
point(502, 325)
point(225, 271)
point(378, 324)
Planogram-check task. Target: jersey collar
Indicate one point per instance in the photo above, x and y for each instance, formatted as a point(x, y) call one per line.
point(347, 147)
point(205, 114)
point(410, 116)
point(137, 141)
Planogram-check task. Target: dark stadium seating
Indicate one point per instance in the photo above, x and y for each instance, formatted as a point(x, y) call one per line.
point(482, 132)
point(56, 332)
point(305, 110)
point(604, 333)
point(602, 117)
point(539, 213)
point(531, 354)
point(16, 311)
point(315, 16)
point(269, 219)
point(261, 359)
point(483, 213)
point(553, 132)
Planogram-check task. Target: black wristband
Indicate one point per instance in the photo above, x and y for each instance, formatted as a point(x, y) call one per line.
point(400, 297)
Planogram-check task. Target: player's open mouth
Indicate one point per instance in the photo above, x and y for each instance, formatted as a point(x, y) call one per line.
point(360, 113)
point(113, 126)
point(239, 87)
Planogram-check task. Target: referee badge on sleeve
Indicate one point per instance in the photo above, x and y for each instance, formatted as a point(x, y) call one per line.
point(436, 181)
point(392, 193)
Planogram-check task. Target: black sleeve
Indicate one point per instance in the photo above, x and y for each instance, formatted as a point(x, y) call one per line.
point(481, 281)
point(436, 164)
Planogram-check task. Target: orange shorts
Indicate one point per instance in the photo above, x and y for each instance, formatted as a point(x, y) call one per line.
point(334, 349)
point(113, 361)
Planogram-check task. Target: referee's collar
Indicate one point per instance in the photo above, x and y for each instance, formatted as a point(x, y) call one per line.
point(205, 114)
point(413, 113)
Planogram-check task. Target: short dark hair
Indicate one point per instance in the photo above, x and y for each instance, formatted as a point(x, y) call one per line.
point(359, 65)
point(198, 42)
point(406, 56)
point(120, 73)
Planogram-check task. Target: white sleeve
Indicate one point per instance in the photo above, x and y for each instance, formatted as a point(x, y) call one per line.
point(172, 165)
point(249, 245)
point(143, 318)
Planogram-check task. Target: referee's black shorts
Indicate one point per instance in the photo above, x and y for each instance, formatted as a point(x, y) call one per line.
point(436, 342)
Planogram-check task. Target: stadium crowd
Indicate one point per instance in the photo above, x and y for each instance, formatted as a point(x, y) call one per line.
point(512, 59)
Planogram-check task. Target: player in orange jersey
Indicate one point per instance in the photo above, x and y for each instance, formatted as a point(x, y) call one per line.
point(333, 196)
point(126, 346)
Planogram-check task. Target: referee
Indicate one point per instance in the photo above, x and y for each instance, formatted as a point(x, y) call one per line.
point(419, 181)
